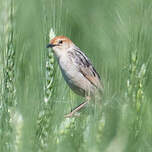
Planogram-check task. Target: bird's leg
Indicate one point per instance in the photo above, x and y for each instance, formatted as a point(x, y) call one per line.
point(77, 108)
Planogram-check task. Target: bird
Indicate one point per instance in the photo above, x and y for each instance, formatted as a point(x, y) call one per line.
point(77, 70)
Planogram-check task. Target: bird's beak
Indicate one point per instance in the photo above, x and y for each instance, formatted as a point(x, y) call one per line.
point(50, 46)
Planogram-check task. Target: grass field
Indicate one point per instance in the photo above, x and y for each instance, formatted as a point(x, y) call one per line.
point(116, 36)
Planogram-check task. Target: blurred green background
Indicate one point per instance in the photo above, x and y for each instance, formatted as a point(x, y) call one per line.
point(116, 36)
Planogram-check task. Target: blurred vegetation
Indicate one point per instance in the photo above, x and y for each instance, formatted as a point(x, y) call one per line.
point(116, 36)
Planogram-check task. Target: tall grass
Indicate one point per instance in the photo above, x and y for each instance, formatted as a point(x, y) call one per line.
point(8, 90)
point(116, 36)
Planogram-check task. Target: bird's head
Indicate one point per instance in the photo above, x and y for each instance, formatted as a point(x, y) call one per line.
point(60, 45)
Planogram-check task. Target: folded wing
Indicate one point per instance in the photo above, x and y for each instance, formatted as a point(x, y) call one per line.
point(86, 68)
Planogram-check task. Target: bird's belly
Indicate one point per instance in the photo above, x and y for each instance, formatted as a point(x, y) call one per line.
point(76, 81)
point(73, 80)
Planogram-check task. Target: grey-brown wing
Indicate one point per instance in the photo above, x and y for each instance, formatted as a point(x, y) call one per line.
point(86, 68)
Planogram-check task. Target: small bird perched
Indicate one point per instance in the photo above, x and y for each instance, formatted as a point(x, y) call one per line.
point(76, 69)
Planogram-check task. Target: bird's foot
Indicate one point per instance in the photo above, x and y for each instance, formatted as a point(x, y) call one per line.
point(71, 114)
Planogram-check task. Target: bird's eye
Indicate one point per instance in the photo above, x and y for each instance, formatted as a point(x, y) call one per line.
point(60, 42)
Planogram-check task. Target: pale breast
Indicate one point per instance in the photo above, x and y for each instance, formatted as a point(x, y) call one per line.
point(76, 81)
